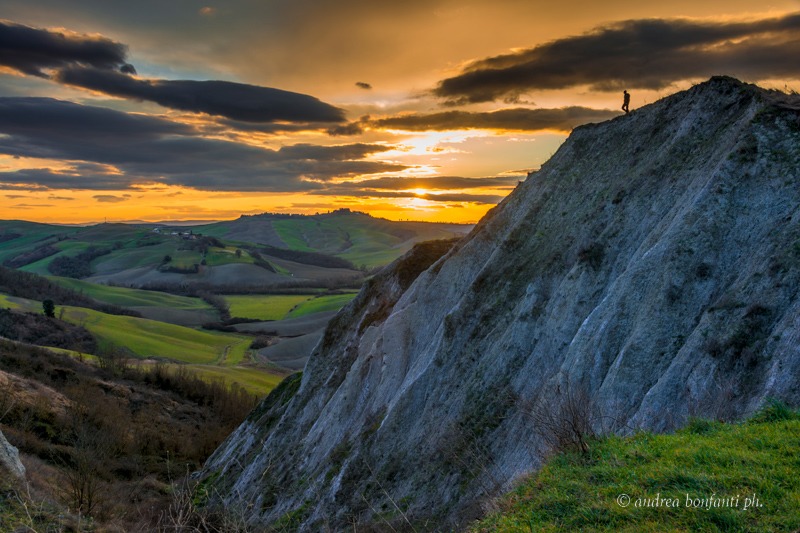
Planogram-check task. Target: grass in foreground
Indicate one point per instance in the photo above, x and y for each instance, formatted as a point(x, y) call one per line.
point(737, 477)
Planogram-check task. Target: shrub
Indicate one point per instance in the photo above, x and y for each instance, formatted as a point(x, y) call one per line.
point(774, 411)
point(565, 420)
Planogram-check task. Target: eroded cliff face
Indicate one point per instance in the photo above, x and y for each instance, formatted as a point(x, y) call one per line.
point(653, 264)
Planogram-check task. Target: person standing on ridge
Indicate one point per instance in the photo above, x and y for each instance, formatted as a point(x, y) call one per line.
point(626, 100)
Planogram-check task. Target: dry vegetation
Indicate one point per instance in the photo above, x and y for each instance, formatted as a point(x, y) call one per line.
point(106, 442)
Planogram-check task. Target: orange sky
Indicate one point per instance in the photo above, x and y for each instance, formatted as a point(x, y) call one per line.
point(429, 111)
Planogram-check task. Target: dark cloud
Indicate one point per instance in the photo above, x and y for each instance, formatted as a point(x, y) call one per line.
point(647, 54)
point(34, 51)
point(463, 197)
point(45, 178)
point(403, 187)
point(442, 197)
point(521, 119)
point(363, 85)
point(236, 101)
point(108, 149)
point(108, 198)
point(433, 183)
point(100, 64)
point(353, 128)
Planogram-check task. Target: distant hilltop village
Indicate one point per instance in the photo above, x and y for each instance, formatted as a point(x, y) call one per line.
point(185, 235)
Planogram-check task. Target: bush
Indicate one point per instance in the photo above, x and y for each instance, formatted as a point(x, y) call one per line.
point(79, 266)
point(774, 411)
point(565, 420)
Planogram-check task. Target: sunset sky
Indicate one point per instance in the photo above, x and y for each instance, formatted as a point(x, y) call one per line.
point(422, 110)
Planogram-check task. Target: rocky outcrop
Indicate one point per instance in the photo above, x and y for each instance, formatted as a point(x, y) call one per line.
point(650, 268)
point(9, 459)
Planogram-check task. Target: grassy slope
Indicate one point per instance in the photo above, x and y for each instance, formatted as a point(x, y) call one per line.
point(280, 307)
point(212, 354)
point(254, 380)
point(354, 238)
point(360, 239)
point(33, 235)
point(264, 307)
point(575, 492)
point(126, 297)
point(150, 338)
point(332, 302)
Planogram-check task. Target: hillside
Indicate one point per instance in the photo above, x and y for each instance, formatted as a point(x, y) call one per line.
point(709, 476)
point(357, 237)
point(102, 446)
point(251, 253)
point(650, 269)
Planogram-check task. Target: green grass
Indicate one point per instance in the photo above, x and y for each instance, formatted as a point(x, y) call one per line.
point(8, 302)
point(20, 304)
point(734, 463)
point(150, 338)
point(332, 302)
point(211, 354)
point(126, 297)
point(133, 258)
point(185, 259)
point(226, 256)
point(264, 307)
point(253, 379)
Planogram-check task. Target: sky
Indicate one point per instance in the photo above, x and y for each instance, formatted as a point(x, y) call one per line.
point(420, 110)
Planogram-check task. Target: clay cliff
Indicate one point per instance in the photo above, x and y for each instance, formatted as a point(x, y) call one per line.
point(650, 268)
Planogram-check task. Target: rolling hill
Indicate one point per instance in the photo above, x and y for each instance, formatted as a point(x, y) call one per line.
point(251, 253)
point(357, 237)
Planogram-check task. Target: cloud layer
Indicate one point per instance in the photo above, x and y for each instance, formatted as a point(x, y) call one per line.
point(646, 54)
point(517, 119)
point(100, 64)
point(34, 51)
point(105, 149)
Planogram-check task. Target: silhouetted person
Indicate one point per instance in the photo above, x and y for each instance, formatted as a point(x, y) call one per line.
point(626, 100)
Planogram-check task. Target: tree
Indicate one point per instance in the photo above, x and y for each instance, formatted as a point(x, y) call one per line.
point(49, 308)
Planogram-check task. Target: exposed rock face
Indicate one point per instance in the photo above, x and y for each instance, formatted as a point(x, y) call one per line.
point(653, 264)
point(9, 459)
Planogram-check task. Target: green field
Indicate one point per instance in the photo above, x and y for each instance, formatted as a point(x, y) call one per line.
point(609, 487)
point(20, 304)
point(226, 256)
point(211, 354)
point(150, 338)
point(253, 379)
point(281, 306)
point(126, 297)
point(331, 302)
point(362, 242)
point(264, 307)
